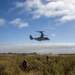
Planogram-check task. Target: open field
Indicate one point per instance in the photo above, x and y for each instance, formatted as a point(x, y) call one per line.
point(11, 64)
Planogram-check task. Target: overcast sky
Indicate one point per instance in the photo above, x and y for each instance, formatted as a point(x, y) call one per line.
point(54, 48)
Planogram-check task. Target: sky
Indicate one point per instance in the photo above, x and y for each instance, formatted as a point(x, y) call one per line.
point(53, 48)
point(21, 18)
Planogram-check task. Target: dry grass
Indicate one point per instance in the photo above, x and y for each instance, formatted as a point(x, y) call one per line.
point(11, 64)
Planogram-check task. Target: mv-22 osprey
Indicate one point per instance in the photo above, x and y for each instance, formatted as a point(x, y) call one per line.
point(41, 38)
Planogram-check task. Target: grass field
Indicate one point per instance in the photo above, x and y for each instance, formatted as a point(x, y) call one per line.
point(11, 64)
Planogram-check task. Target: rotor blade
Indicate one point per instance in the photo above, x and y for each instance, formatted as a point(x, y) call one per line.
point(39, 31)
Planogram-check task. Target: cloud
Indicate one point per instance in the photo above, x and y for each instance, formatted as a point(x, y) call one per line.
point(50, 8)
point(54, 48)
point(2, 21)
point(53, 35)
point(19, 4)
point(19, 23)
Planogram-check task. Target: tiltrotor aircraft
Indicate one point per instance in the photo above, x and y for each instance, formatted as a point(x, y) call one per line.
point(41, 38)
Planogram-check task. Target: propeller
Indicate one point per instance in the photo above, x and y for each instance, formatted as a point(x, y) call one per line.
point(40, 31)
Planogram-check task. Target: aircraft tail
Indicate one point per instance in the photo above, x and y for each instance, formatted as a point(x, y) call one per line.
point(31, 37)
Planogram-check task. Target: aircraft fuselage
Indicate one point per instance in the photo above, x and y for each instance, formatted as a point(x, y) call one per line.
point(41, 39)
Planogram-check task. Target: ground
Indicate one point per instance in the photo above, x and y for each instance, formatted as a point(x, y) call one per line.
point(49, 64)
